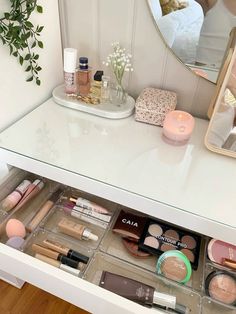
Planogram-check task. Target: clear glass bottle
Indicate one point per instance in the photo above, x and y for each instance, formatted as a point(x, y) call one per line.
point(70, 59)
point(84, 76)
point(105, 89)
point(97, 84)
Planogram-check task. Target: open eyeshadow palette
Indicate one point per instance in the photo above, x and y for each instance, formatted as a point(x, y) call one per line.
point(158, 238)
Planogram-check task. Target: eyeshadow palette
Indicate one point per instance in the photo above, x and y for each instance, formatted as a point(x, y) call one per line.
point(158, 237)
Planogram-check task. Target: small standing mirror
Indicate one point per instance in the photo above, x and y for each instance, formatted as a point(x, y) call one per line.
point(221, 134)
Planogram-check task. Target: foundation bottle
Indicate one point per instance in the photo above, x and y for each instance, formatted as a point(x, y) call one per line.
point(84, 76)
point(70, 59)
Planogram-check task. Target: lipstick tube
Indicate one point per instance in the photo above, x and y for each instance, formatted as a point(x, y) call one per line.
point(56, 246)
point(58, 264)
point(14, 197)
point(57, 256)
point(32, 190)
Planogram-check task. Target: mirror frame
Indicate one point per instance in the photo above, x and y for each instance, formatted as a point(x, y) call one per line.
point(225, 72)
point(222, 69)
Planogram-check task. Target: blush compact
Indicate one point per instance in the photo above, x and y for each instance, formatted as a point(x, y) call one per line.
point(219, 251)
point(159, 237)
point(221, 286)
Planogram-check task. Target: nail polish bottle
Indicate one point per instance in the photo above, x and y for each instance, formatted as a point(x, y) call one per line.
point(84, 76)
point(105, 89)
point(70, 59)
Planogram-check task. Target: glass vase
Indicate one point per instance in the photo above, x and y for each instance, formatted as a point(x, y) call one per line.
point(118, 94)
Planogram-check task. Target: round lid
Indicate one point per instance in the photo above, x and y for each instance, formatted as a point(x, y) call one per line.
point(70, 60)
point(217, 250)
point(221, 286)
point(83, 63)
point(174, 265)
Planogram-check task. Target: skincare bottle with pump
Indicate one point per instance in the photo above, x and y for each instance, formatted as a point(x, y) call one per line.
point(70, 60)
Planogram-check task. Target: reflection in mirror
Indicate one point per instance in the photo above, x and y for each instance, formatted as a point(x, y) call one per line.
point(221, 134)
point(197, 31)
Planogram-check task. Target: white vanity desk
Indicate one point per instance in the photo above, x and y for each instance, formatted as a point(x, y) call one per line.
point(126, 162)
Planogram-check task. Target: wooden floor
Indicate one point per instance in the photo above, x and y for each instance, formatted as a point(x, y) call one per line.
point(31, 300)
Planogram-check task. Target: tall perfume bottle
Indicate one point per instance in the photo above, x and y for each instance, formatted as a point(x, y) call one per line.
point(84, 76)
point(70, 60)
point(105, 89)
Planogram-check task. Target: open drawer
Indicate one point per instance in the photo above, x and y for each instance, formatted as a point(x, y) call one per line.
point(17, 267)
point(107, 254)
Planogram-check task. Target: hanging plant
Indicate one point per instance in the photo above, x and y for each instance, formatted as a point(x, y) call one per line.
point(21, 36)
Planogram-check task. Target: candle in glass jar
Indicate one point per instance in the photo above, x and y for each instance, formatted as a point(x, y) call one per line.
point(178, 127)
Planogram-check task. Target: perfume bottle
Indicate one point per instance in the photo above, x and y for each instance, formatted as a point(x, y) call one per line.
point(84, 76)
point(97, 84)
point(105, 89)
point(70, 59)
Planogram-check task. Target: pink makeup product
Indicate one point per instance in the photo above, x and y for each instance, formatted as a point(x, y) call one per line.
point(43, 211)
point(221, 286)
point(88, 205)
point(133, 249)
point(32, 190)
point(76, 211)
point(15, 228)
point(70, 60)
point(218, 250)
point(177, 127)
point(77, 231)
point(15, 242)
point(12, 199)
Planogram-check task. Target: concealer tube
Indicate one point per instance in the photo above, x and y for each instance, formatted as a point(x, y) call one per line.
point(58, 247)
point(57, 256)
point(75, 230)
point(57, 264)
point(43, 211)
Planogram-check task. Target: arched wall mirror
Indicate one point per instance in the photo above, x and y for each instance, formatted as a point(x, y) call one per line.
point(221, 134)
point(197, 32)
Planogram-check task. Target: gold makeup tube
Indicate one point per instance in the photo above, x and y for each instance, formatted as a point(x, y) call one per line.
point(229, 263)
point(57, 264)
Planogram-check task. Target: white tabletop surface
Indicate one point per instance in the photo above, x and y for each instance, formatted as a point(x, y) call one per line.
point(131, 156)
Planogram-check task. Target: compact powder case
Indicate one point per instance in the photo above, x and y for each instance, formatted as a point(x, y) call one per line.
point(221, 286)
point(158, 238)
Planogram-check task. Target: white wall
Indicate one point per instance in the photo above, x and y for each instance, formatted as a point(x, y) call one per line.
point(91, 25)
point(17, 96)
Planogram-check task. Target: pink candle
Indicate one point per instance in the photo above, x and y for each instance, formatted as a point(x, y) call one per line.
point(178, 127)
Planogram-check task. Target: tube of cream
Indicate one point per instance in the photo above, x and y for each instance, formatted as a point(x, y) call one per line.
point(88, 205)
point(136, 291)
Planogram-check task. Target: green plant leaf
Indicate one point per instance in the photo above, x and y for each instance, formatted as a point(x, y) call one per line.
point(21, 59)
point(39, 9)
point(30, 79)
point(29, 24)
point(40, 44)
point(27, 57)
point(38, 82)
point(28, 68)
